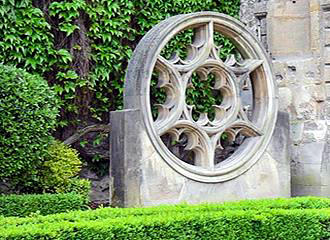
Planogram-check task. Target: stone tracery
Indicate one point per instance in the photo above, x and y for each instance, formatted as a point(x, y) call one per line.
point(184, 137)
point(175, 116)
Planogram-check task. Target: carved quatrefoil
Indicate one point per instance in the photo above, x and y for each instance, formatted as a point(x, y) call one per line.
point(175, 117)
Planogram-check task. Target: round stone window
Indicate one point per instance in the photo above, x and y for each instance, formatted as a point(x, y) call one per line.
point(192, 140)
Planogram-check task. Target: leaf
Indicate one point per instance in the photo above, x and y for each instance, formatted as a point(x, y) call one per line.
point(68, 28)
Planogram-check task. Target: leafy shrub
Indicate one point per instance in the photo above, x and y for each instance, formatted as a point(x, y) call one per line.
point(177, 222)
point(61, 164)
point(76, 185)
point(28, 111)
point(60, 169)
point(25, 205)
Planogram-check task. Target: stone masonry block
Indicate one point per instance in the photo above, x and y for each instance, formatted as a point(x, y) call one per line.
point(289, 27)
point(327, 36)
point(306, 174)
point(296, 131)
point(285, 98)
point(326, 19)
point(325, 3)
point(327, 73)
point(327, 87)
point(311, 153)
point(288, 9)
point(318, 92)
point(327, 55)
point(124, 160)
point(302, 190)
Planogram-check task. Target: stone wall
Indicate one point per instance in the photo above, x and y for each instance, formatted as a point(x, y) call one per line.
point(298, 40)
point(253, 13)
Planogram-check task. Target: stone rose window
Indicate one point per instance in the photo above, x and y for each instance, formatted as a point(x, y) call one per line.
point(191, 140)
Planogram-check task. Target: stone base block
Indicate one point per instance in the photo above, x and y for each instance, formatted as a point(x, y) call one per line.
point(140, 177)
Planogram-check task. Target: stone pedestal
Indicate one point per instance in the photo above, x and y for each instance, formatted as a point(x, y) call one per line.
point(140, 177)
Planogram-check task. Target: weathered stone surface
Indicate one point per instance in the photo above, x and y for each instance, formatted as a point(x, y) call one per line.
point(327, 19)
point(327, 73)
point(315, 131)
point(145, 172)
point(325, 3)
point(315, 23)
point(279, 147)
point(160, 184)
point(327, 36)
point(297, 131)
point(100, 191)
point(327, 55)
point(301, 71)
point(289, 27)
point(126, 153)
point(311, 153)
point(285, 99)
point(247, 15)
point(299, 40)
point(303, 190)
point(253, 13)
point(318, 93)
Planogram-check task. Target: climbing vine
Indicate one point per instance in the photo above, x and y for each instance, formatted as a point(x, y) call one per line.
point(81, 47)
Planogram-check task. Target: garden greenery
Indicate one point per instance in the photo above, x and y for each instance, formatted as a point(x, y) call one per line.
point(82, 47)
point(300, 218)
point(28, 111)
point(41, 204)
point(59, 169)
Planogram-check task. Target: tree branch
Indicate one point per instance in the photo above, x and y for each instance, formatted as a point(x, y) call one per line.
point(92, 128)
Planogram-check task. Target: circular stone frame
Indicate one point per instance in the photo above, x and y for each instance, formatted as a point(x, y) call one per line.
point(265, 101)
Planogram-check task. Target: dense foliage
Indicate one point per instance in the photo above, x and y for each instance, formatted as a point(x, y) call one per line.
point(82, 47)
point(43, 204)
point(28, 111)
point(301, 218)
point(59, 168)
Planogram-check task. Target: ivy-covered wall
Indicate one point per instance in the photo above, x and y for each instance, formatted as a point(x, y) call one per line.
point(81, 47)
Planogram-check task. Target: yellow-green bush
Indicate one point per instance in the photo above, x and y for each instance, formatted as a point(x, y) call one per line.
point(60, 169)
point(76, 185)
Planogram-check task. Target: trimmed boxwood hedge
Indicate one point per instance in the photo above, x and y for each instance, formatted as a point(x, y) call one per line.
point(239, 224)
point(301, 218)
point(43, 204)
point(107, 213)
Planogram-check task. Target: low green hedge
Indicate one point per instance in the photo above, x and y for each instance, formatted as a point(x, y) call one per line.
point(298, 218)
point(112, 213)
point(43, 204)
point(229, 224)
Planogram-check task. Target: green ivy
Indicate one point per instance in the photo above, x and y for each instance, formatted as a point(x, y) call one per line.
point(82, 47)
